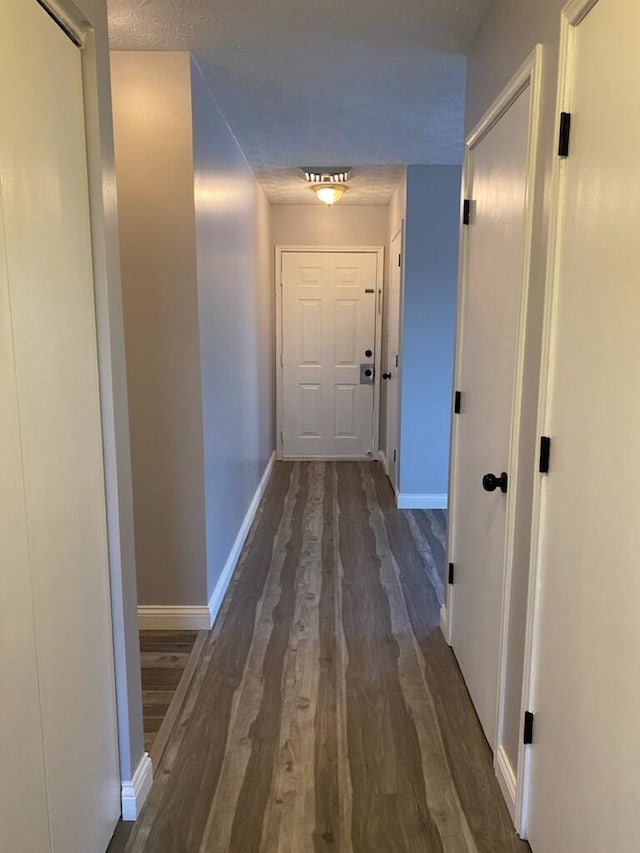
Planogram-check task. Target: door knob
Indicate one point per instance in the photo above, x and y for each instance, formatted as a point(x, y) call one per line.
point(386, 376)
point(490, 482)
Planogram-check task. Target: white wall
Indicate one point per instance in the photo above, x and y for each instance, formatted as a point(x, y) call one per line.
point(154, 160)
point(235, 295)
point(113, 386)
point(508, 35)
point(319, 225)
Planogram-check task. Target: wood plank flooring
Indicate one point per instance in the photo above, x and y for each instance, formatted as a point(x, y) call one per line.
point(168, 660)
point(327, 712)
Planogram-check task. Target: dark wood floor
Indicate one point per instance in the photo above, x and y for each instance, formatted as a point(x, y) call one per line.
point(167, 660)
point(327, 713)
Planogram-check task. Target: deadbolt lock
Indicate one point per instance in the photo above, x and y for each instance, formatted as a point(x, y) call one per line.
point(366, 373)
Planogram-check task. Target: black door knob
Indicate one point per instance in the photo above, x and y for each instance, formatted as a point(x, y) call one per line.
point(490, 482)
point(368, 373)
point(386, 376)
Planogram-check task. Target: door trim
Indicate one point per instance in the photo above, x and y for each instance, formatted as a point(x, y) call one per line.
point(85, 32)
point(392, 414)
point(571, 17)
point(379, 252)
point(528, 76)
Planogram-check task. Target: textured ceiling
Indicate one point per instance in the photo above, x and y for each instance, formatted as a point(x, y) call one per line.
point(322, 82)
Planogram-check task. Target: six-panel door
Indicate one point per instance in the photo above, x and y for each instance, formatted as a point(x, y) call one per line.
point(328, 353)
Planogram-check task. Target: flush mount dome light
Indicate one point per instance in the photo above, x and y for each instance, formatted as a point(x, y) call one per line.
point(328, 185)
point(329, 193)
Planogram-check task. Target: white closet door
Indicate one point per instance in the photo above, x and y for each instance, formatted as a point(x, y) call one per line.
point(585, 793)
point(23, 811)
point(43, 177)
point(492, 298)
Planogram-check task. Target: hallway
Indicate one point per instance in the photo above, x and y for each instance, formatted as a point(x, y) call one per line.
point(327, 712)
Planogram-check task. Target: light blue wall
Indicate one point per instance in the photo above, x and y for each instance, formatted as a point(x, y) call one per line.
point(428, 326)
point(235, 310)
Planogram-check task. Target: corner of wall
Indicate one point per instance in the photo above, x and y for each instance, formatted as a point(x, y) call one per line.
point(134, 791)
point(398, 205)
point(428, 329)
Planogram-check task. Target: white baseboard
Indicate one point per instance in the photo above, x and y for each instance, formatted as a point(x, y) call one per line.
point(174, 618)
point(506, 780)
point(407, 501)
point(444, 622)
point(135, 791)
point(215, 602)
point(201, 617)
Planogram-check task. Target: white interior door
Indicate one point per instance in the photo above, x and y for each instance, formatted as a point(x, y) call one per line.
point(585, 796)
point(328, 354)
point(56, 626)
point(391, 374)
point(497, 175)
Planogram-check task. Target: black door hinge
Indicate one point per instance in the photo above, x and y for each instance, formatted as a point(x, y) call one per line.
point(396, 360)
point(565, 133)
point(395, 455)
point(451, 573)
point(457, 402)
point(527, 734)
point(466, 211)
point(399, 260)
point(545, 452)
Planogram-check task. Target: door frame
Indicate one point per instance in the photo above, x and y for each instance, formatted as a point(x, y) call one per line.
point(571, 17)
point(528, 76)
point(83, 29)
point(391, 414)
point(379, 252)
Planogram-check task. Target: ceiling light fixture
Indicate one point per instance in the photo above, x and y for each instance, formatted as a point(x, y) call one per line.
point(328, 184)
point(329, 193)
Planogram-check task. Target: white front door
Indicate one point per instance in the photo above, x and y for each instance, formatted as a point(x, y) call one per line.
point(59, 777)
point(328, 354)
point(391, 374)
point(495, 243)
point(585, 794)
